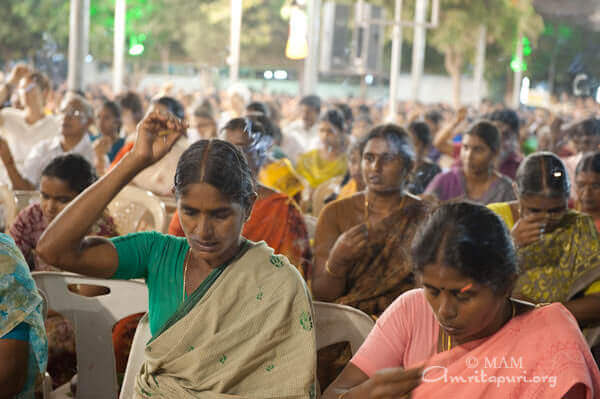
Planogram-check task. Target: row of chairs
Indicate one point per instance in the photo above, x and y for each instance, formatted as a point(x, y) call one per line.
point(133, 209)
point(94, 317)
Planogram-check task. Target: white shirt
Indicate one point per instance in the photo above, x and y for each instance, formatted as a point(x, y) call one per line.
point(160, 177)
point(297, 140)
point(22, 137)
point(47, 150)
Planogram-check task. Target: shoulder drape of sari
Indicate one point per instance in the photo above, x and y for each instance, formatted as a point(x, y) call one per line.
point(247, 333)
point(278, 221)
point(540, 354)
point(563, 263)
point(20, 302)
point(316, 170)
point(385, 272)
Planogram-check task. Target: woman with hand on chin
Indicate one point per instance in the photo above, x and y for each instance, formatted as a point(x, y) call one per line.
point(464, 317)
point(258, 343)
point(362, 242)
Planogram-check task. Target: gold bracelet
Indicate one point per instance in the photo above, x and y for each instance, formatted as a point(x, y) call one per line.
point(342, 395)
point(332, 274)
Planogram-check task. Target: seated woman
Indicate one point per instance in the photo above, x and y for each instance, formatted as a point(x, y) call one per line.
point(558, 249)
point(62, 180)
point(329, 160)
point(108, 143)
point(227, 316)
point(476, 178)
point(23, 347)
point(362, 242)
point(275, 218)
point(587, 176)
point(462, 335)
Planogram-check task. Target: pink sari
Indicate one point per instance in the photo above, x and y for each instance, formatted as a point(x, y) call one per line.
point(540, 354)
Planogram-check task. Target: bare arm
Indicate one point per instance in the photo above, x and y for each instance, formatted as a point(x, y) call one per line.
point(390, 383)
point(18, 182)
point(586, 310)
point(442, 140)
point(13, 367)
point(64, 245)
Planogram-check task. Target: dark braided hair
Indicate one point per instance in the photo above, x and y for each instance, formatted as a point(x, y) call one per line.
point(219, 164)
point(543, 173)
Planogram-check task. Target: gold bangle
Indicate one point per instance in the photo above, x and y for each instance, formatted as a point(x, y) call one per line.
point(332, 274)
point(343, 395)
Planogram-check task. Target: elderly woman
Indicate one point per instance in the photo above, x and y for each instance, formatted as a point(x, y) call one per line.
point(464, 324)
point(257, 343)
point(587, 177)
point(476, 179)
point(23, 348)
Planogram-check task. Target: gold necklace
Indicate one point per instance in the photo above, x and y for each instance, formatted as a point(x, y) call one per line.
point(186, 262)
point(447, 345)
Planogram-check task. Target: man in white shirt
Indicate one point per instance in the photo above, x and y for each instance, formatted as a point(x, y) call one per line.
point(23, 129)
point(77, 116)
point(302, 135)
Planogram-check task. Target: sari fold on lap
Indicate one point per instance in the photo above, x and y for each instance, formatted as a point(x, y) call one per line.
point(540, 354)
point(247, 332)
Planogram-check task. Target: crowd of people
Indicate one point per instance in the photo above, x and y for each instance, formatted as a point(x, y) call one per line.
point(468, 234)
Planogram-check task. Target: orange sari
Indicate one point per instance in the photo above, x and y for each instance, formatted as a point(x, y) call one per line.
point(277, 220)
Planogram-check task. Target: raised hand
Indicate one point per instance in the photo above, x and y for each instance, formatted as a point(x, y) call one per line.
point(156, 134)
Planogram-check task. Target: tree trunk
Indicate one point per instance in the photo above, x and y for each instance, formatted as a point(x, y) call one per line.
point(453, 61)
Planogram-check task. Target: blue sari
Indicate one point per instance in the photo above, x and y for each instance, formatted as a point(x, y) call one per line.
point(20, 303)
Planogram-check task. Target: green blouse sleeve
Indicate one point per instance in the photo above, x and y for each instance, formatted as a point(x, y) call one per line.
point(135, 253)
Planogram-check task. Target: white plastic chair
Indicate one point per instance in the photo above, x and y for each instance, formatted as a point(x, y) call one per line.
point(93, 319)
point(340, 323)
point(130, 209)
point(136, 357)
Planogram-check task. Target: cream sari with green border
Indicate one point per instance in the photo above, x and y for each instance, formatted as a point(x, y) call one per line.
point(246, 332)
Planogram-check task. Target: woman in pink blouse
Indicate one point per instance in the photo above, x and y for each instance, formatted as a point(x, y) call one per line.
point(462, 335)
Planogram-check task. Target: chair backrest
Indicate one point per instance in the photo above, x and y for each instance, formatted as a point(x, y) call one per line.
point(339, 323)
point(136, 357)
point(131, 208)
point(93, 319)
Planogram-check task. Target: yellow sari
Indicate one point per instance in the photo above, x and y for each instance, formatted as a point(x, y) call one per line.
point(317, 170)
point(281, 176)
